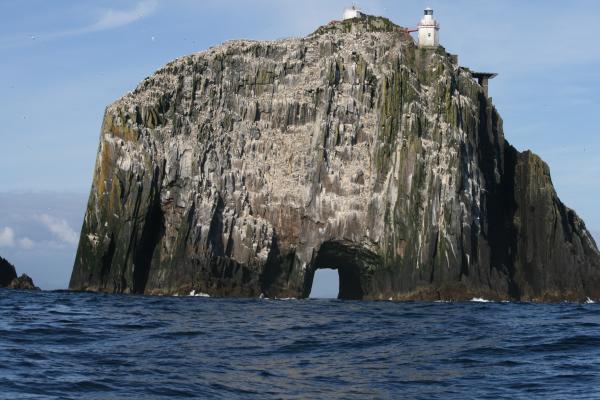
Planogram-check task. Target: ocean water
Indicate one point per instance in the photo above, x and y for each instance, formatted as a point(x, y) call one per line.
point(93, 346)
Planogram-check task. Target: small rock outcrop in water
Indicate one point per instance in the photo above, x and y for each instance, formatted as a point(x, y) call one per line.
point(9, 279)
point(24, 282)
point(241, 170)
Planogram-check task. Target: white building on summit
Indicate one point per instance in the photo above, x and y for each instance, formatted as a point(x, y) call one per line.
point(428, 30)
point(352, 12)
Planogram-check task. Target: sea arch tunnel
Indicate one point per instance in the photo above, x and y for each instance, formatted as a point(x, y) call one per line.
point(354, 264)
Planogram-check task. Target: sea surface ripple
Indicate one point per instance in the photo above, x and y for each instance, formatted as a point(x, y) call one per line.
point(63, 345)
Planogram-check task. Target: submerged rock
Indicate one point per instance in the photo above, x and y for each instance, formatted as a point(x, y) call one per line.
point(241, 170)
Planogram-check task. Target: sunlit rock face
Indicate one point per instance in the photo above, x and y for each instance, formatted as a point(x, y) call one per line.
point(240, 170)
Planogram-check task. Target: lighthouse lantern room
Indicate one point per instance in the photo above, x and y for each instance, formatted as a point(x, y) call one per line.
point(428, 30)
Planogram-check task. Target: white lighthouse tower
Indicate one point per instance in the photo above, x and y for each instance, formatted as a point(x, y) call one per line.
point(429, 30)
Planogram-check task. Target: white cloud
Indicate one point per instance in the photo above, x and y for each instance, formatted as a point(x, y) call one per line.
point(7, 237)
point(26, 243)
point(60, 228)
point(111, 19)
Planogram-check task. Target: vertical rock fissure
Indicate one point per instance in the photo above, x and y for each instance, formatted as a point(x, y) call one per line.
point(107, 259)
point(152, 232)
point(215, 232)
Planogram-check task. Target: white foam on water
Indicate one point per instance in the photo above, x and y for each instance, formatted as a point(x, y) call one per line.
point(589, 301)
point(199, 294)
point(480, 300)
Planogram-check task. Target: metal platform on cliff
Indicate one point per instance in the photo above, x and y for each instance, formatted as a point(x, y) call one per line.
point(483, 79)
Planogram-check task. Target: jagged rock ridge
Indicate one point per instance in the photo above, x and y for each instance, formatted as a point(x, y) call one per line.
point(9, 279)
point(241, 170)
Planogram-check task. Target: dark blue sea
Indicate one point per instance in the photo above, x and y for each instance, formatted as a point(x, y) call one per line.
point(61, 345)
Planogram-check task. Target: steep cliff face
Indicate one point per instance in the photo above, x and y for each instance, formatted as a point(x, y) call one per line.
point(241, 170)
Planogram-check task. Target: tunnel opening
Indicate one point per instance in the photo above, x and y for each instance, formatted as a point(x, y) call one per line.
point(348, 262)
point(326, 284)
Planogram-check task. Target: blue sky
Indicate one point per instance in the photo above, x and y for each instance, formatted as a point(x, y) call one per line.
point(64, 61)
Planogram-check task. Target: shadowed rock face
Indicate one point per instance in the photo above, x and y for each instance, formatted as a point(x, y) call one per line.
point(241, 170)
point(7, 272)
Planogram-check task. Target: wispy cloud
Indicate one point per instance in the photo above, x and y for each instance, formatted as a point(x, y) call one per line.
point(60, 228)
point(110, 19)
point(7, 237)
point(105, 20)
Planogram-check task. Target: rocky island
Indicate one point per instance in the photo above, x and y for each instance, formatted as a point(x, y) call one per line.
point(9, 278)
point(241, 170)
